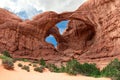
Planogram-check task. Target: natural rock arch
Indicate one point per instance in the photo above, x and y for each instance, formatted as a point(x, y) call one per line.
point(79, 35)
point(51, 39)
point(97, 39)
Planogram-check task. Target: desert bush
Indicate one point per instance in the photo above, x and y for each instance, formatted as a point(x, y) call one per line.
point(30, 64)
point(42, 62)
point(62, 69)
point(8, 64)
point(20, 65)
point(5, 57)
point(6, 53)
point(39, 69)
point(52, 68)
point(71, 67)
point(26, 68)
point(112, 70)
point(88, 70)
point(74, 67)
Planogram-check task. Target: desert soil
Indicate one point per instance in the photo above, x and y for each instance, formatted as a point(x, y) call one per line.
point(19, 74)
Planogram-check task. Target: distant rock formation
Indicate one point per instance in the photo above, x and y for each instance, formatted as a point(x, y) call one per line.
point(92, 33)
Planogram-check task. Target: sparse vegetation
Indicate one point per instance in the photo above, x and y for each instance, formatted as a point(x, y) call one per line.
point(20, 65)
point(88, 70)
point(7, 61)
point(8, 64)
point(73, 67)
point(5, 57)
point(42, 62)
point(39, 69)
point(112, 70)
point(52, 68)
point(6, 53)
point(26, 68)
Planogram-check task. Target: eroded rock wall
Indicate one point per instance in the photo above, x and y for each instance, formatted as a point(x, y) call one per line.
point(92, 33)
point(26, 39)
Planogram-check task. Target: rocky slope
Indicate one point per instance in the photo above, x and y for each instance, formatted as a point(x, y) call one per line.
point(92, 34)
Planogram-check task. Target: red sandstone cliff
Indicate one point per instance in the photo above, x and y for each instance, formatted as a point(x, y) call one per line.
point(92, 33)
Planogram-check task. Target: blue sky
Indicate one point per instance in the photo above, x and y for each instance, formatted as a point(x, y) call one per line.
point(62, 26)
point(26, 9)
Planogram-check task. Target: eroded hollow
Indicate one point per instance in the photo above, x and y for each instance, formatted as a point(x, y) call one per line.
point(78, 35)
point(89, 31)
point(89, 34)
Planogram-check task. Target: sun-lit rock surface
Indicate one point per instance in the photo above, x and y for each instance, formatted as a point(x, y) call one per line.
point(92, 34)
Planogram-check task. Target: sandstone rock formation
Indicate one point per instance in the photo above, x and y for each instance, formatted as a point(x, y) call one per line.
point(92, 33)
point(26, 39)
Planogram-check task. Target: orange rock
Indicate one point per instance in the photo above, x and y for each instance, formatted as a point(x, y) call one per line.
point(92, 33)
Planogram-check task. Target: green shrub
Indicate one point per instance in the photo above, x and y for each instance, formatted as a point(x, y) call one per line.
point(8, 64)
point(62, 69)
point(42, 62)
point(7, 61)
point(74, 67)
point(71, 67)
point(20, 65)
point(39, 69)
point(88, 70)
point(26, 68)
point(5, 57)
point(53, 68)
point(6, 53)
point(112, 70)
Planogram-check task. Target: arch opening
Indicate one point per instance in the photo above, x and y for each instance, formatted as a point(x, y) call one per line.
point(56, 32)
point(51, 39)
point(62, 26)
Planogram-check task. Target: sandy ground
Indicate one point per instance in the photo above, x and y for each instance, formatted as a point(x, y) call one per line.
point(19, 74)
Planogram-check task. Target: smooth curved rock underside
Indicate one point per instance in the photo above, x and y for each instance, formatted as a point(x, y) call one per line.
point(92, 34)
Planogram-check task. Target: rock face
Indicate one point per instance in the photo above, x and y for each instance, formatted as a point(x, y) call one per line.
point(26, 39)
point(92, 33)
point(94, 30)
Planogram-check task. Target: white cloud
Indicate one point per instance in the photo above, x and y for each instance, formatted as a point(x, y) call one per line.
point(32, 7)
point(44, 5)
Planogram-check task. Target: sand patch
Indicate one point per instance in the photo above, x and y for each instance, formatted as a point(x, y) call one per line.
point(19, 74)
